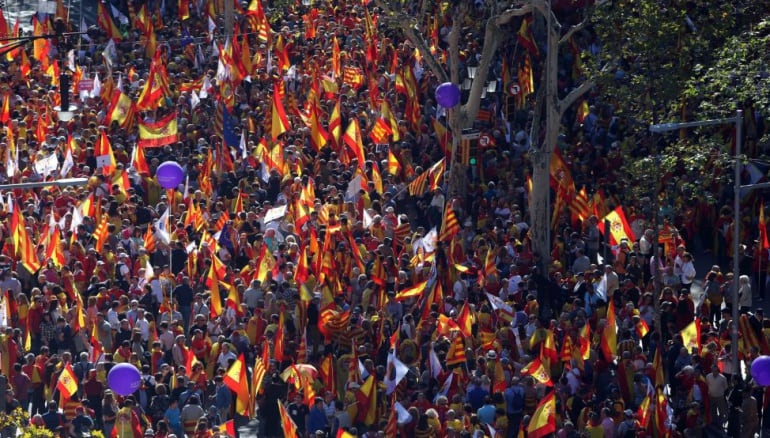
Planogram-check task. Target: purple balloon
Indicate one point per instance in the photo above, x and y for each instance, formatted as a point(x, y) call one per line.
point(124, 379)
point(448, 95)
point(760, 370)
point(169, 174)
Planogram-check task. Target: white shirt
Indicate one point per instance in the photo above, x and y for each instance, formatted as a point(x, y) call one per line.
point(688, 273)
point(224, 357)
point(513, 284)
point(144, 328)
point(112, 318)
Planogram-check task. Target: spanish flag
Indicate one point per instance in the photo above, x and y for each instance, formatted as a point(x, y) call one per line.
point(352, 138)
point(158, 133)
point(104, 156)
point(394, 167)
point(121, 109)
point(543, 421)
point(280, 122)
point(236, 380)
point(104, 20)
point(410, 292)
point(609, 340)
point(619, 227)
point(68, 382)
point(691, 336)
point(537, 370)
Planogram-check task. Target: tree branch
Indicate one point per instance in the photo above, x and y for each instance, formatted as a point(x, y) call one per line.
point(407, 26)
point(573, 30)
point(575, 94)
point(580, 26)
point(506, 16)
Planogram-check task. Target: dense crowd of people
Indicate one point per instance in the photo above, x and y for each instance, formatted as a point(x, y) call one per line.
point(321, 278)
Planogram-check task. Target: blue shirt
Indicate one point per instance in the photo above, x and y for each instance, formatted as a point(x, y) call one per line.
point(224, 397)
point(476, 397)
point(316, 420)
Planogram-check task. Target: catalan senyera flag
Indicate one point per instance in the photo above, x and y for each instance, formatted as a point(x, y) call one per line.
point(67, 383)
point(158, 133)
point(691, 335)
point(619, 227)
point(238, 382)
point(280, 122)
point(257, 376)
point(450, 225)
point(54, 251)
point(410, 292)
point(287, 424)
point(543, 420)
point(537, 370)
point(380, 131)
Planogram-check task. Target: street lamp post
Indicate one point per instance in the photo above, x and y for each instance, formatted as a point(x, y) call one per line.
point(738, 122)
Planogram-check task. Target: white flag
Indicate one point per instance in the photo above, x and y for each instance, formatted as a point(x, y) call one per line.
point(194, 99)
point(354, 186)
point(499, 304)
point(396, 368)
point(10, 164)
point(445, 387)
point(149, 273)
point(368, 220)
point(121, 18)
point(435, 363)
point(404, 416)
point(161, 228)
point(204, 92)
point(110, 52)
point(77, 219)
point(97, 90)
point(242, 145)
point(212, 26)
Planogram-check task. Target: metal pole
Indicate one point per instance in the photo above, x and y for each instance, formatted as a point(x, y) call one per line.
point(74, 182)
point(228, 19)
point(736, 238)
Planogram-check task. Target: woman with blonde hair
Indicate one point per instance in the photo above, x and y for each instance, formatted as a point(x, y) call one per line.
point(744, 293)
